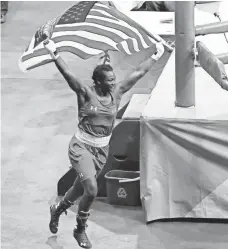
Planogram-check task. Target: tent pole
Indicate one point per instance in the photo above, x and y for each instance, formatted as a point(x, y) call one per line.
point(184, 43)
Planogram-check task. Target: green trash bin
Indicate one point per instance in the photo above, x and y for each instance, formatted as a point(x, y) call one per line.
point(123, 187)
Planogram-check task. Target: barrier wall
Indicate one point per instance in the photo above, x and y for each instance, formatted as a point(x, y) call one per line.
point(184, 151)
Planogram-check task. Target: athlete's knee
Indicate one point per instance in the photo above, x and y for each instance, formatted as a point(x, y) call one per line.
point(90, 187)
point(91, 191)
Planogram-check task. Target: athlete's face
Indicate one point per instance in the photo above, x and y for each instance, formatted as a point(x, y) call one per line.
point(109, 80)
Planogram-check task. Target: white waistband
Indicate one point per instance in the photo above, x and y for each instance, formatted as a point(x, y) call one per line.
point(91, 140)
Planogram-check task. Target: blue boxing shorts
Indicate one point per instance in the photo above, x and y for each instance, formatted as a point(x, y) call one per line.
point(87, 160)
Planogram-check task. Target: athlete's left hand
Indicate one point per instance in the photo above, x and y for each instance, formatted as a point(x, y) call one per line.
point(160, 51)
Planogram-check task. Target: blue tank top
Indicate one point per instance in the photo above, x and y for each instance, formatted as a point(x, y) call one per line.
point(96, 118)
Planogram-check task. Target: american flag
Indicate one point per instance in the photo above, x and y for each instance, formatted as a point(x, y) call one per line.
point(87, 29)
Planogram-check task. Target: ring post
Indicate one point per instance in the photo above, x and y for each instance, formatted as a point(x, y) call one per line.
point(184, 66)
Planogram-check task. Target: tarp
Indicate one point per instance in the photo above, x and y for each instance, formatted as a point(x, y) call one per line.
point(184, 151)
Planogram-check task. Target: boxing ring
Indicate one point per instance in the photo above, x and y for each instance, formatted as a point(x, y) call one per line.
point(184, 131)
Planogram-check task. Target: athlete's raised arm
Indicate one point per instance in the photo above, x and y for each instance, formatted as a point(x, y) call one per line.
point(140, 71)
point(71, 79)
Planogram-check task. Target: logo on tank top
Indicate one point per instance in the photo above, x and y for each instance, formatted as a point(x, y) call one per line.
point(112, 110)
point(93, 108)
point(80, 175)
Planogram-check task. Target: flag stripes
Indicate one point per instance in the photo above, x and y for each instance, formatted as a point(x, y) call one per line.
point(101, 13)
point(120, 16)
point(33, 62)
point(126, 30)
point(117, 37)
point(80, 37)
point(85, 38)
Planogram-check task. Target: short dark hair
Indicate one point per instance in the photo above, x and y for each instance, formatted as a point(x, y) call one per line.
point(98, 72)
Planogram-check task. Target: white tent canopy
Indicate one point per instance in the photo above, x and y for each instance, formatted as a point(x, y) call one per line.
point(163, 22)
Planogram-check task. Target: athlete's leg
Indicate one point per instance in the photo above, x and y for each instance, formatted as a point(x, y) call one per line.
point(90, 192)
point(67, 201)
point(89, 182)
point(81, 161)
point(75, 191)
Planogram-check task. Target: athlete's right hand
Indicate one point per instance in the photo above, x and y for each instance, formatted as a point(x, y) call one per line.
point(50, 46)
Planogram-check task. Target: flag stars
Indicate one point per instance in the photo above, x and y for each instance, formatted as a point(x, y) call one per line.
point(77, 12)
